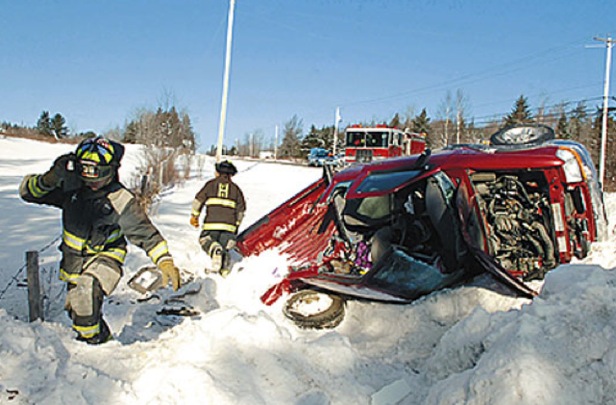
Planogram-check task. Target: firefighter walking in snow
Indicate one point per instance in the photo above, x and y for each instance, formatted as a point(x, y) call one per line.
point(98, 215)
point(224, 213)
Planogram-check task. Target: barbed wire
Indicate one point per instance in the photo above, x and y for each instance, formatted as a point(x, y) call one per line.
point(14, 278)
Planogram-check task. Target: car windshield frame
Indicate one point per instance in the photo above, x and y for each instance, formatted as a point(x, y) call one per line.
point(377, 183)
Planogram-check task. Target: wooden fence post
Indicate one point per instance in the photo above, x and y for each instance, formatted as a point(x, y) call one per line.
point(35, 303)
point(144, 184)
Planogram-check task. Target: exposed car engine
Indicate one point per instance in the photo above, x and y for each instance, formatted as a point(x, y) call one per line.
point(517, 218)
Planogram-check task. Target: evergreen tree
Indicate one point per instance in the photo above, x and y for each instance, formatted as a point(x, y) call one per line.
point(421, 123)
point(395, 122)
point(312, 140)
point(520, 113)
point(131, 132)
point(43, 125)
point(562, 127)
point(163, 128)
point(326, 134)
point(187, 133)
point(319, 138)
point(579, 125)
point(58, 126)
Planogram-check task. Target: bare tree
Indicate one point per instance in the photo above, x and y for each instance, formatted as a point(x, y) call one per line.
point(165, 134)
point(408, 116)
point(542, 116)
point(292, 133)
point(252, 145)
point(444, 112)
point(461, 109)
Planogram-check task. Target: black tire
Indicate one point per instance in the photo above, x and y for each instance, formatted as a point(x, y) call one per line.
point(323, 318)
point(527, 135)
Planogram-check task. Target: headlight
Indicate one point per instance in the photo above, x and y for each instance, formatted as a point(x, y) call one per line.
point(573, 171)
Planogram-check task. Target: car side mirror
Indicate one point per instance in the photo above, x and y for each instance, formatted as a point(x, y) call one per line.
point(423, 159)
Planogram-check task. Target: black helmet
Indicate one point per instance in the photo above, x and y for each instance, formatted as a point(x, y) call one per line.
point(98, 158)
point(226, 167)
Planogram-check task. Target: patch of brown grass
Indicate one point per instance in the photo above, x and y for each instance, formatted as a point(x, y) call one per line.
point(28, 133)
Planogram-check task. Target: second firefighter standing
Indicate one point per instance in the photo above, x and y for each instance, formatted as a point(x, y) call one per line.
point(225, 207)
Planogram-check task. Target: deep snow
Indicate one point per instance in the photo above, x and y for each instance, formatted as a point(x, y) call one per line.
point(475, 344)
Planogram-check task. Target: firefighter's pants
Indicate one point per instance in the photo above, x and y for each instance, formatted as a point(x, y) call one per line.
point(84, 299)
point(212, 239)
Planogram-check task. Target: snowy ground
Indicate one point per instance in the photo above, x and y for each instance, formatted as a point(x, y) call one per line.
point(470, 345)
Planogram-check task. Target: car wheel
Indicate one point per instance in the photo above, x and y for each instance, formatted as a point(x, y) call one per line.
point(314, 310)
point(529, 135)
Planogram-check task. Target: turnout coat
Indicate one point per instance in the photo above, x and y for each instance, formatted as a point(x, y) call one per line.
point(97, 223)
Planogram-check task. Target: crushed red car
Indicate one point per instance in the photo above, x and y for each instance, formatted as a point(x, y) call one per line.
point(397, 229)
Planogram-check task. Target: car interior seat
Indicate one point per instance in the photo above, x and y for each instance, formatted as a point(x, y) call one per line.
point(442, 217)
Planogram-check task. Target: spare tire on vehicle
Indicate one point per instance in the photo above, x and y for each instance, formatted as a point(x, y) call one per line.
point(314, 310)
point(525, 135)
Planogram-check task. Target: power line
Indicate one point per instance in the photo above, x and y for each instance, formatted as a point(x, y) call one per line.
point(587, 110)
point(509, 67)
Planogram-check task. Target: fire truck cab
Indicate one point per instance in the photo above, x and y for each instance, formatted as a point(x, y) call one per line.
point(365, 144)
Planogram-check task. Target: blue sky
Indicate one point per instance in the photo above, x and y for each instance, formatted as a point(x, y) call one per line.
point(100, 62)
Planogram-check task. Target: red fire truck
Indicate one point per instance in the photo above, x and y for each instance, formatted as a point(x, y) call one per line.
point(365, 144)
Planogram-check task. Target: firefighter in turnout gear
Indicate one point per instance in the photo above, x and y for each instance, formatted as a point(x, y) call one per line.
point(225, 206)
point(98, 216)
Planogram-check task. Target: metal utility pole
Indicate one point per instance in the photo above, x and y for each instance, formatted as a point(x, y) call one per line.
point(338, 119)
point(225, 86)
point(609, 42)
point(251, 147)
point(458, 129)
point(276, 144)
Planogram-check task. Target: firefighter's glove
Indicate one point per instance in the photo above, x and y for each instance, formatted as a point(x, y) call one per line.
point(194, 221)
point(170, 273)
point(57, 173)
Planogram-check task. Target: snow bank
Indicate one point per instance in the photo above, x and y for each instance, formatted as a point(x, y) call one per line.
point(470, 345)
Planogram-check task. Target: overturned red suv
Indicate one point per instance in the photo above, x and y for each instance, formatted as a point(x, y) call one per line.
point(397, 229)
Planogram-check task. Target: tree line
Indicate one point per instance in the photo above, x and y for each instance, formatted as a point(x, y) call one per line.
point(580, 123)
point(167, 132)
point(162, 128)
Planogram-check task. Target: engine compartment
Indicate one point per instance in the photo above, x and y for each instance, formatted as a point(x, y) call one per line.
point(518, 220)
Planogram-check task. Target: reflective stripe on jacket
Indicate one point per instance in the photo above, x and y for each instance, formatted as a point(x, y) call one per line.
point(224, 202)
